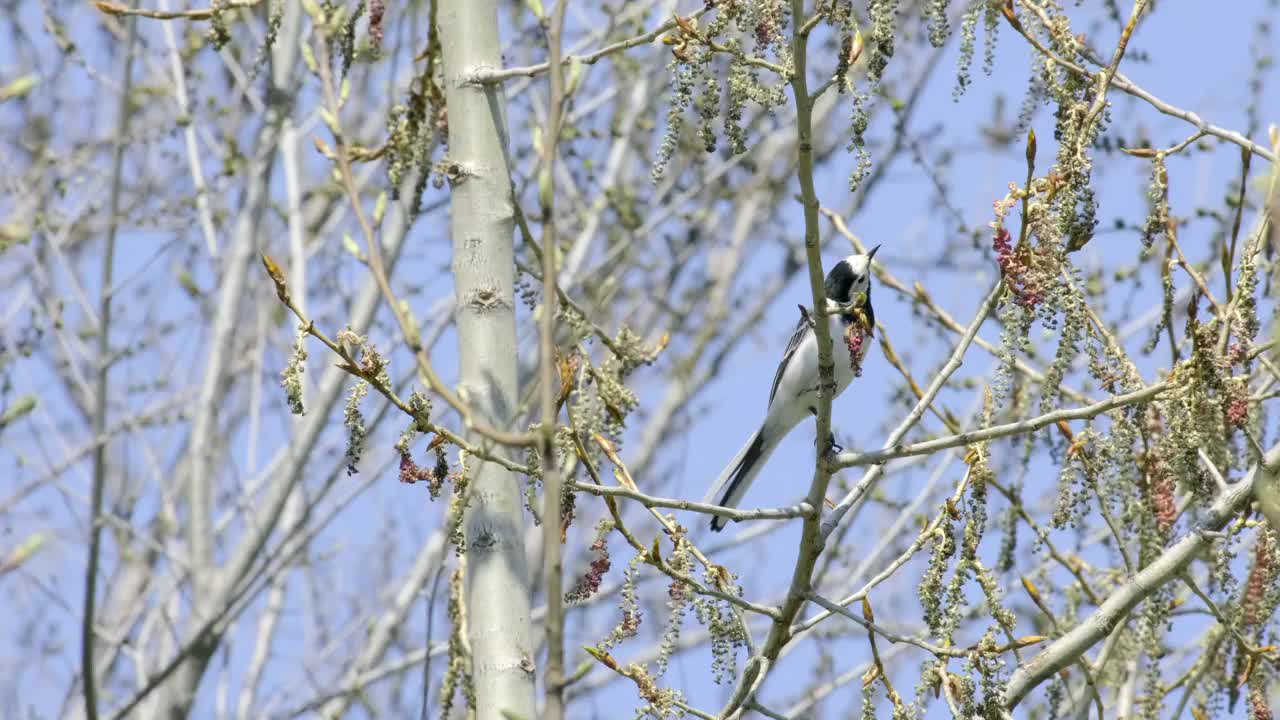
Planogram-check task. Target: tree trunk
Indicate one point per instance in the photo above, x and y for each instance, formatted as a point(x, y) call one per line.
point(482, 230)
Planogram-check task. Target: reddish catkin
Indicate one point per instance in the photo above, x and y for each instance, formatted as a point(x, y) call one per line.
point(1015, 270)
point(1256, 588)
point(1162, 503)
point(1238, 353)
point(855, 339)
point(376, 10)
point(1237, 411)
point(764, 33)
point(409, 471)
point(1259, 708)
point(590, 582)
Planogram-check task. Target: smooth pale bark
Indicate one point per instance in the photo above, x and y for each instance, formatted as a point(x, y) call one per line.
point(482, 225)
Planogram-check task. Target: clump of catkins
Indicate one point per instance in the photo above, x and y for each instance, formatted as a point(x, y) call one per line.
point(855, 340)
point(1015, 269)
point(589, 583)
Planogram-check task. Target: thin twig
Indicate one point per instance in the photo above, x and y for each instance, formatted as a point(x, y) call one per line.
point(921, 296)
point(352, 366)
point(892, 637)
point(373, 250)
point(1121, 601)
point(552, 482)
point(656, 560)
point(1229, 252)
point(494, 76)
point(653, 501)
point(1211, 468)
point(643, 681)
point(953, 363)
point(526, 236)
point(1123, 84)
point(928, 532)
point(1073, 566)
point(811, 535)
point(1039, 602)
point(743, 694)
point(89, 683)
point(938, 650)
point(1172, 234)
point(426, 661)
point(118, 10)
point(994, 432)
point(1109, 73)
point(1223, 620)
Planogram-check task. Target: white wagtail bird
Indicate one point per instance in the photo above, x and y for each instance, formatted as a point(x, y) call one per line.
point(794, 395)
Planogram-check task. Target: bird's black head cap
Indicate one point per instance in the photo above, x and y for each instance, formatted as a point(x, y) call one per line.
point(839, 282)
point(849, 276)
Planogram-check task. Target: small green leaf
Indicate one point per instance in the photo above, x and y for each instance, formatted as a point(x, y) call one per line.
point(188, 282)
point(575, 77)
point(20, 407)
point(412, 334)
point(313, 9)
point(19, 87)
point(350, 246)
point(21, 554)
point(330, 120)
point(309, 57)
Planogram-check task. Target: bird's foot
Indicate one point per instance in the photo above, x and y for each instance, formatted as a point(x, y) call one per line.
point(836, 448)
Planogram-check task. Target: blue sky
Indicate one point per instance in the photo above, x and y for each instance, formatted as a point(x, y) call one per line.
point(1198, 58)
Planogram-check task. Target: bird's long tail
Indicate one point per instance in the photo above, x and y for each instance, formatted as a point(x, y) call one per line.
point(732, 484)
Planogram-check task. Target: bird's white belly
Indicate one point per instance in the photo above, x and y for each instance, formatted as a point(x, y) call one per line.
point(798, 392)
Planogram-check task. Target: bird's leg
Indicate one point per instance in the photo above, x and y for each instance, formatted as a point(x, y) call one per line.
point(831, 438)
point(836, 448)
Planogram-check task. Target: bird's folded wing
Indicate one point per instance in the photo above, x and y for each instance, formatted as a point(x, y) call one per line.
point(797, 337)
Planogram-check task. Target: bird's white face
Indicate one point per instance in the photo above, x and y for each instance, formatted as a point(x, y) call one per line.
point(849, 281)
point(861, 266)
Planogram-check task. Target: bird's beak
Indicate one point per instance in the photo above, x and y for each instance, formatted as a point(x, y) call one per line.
point(872, 253)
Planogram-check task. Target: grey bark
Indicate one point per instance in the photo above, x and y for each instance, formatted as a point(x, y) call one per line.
point(482, 224)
